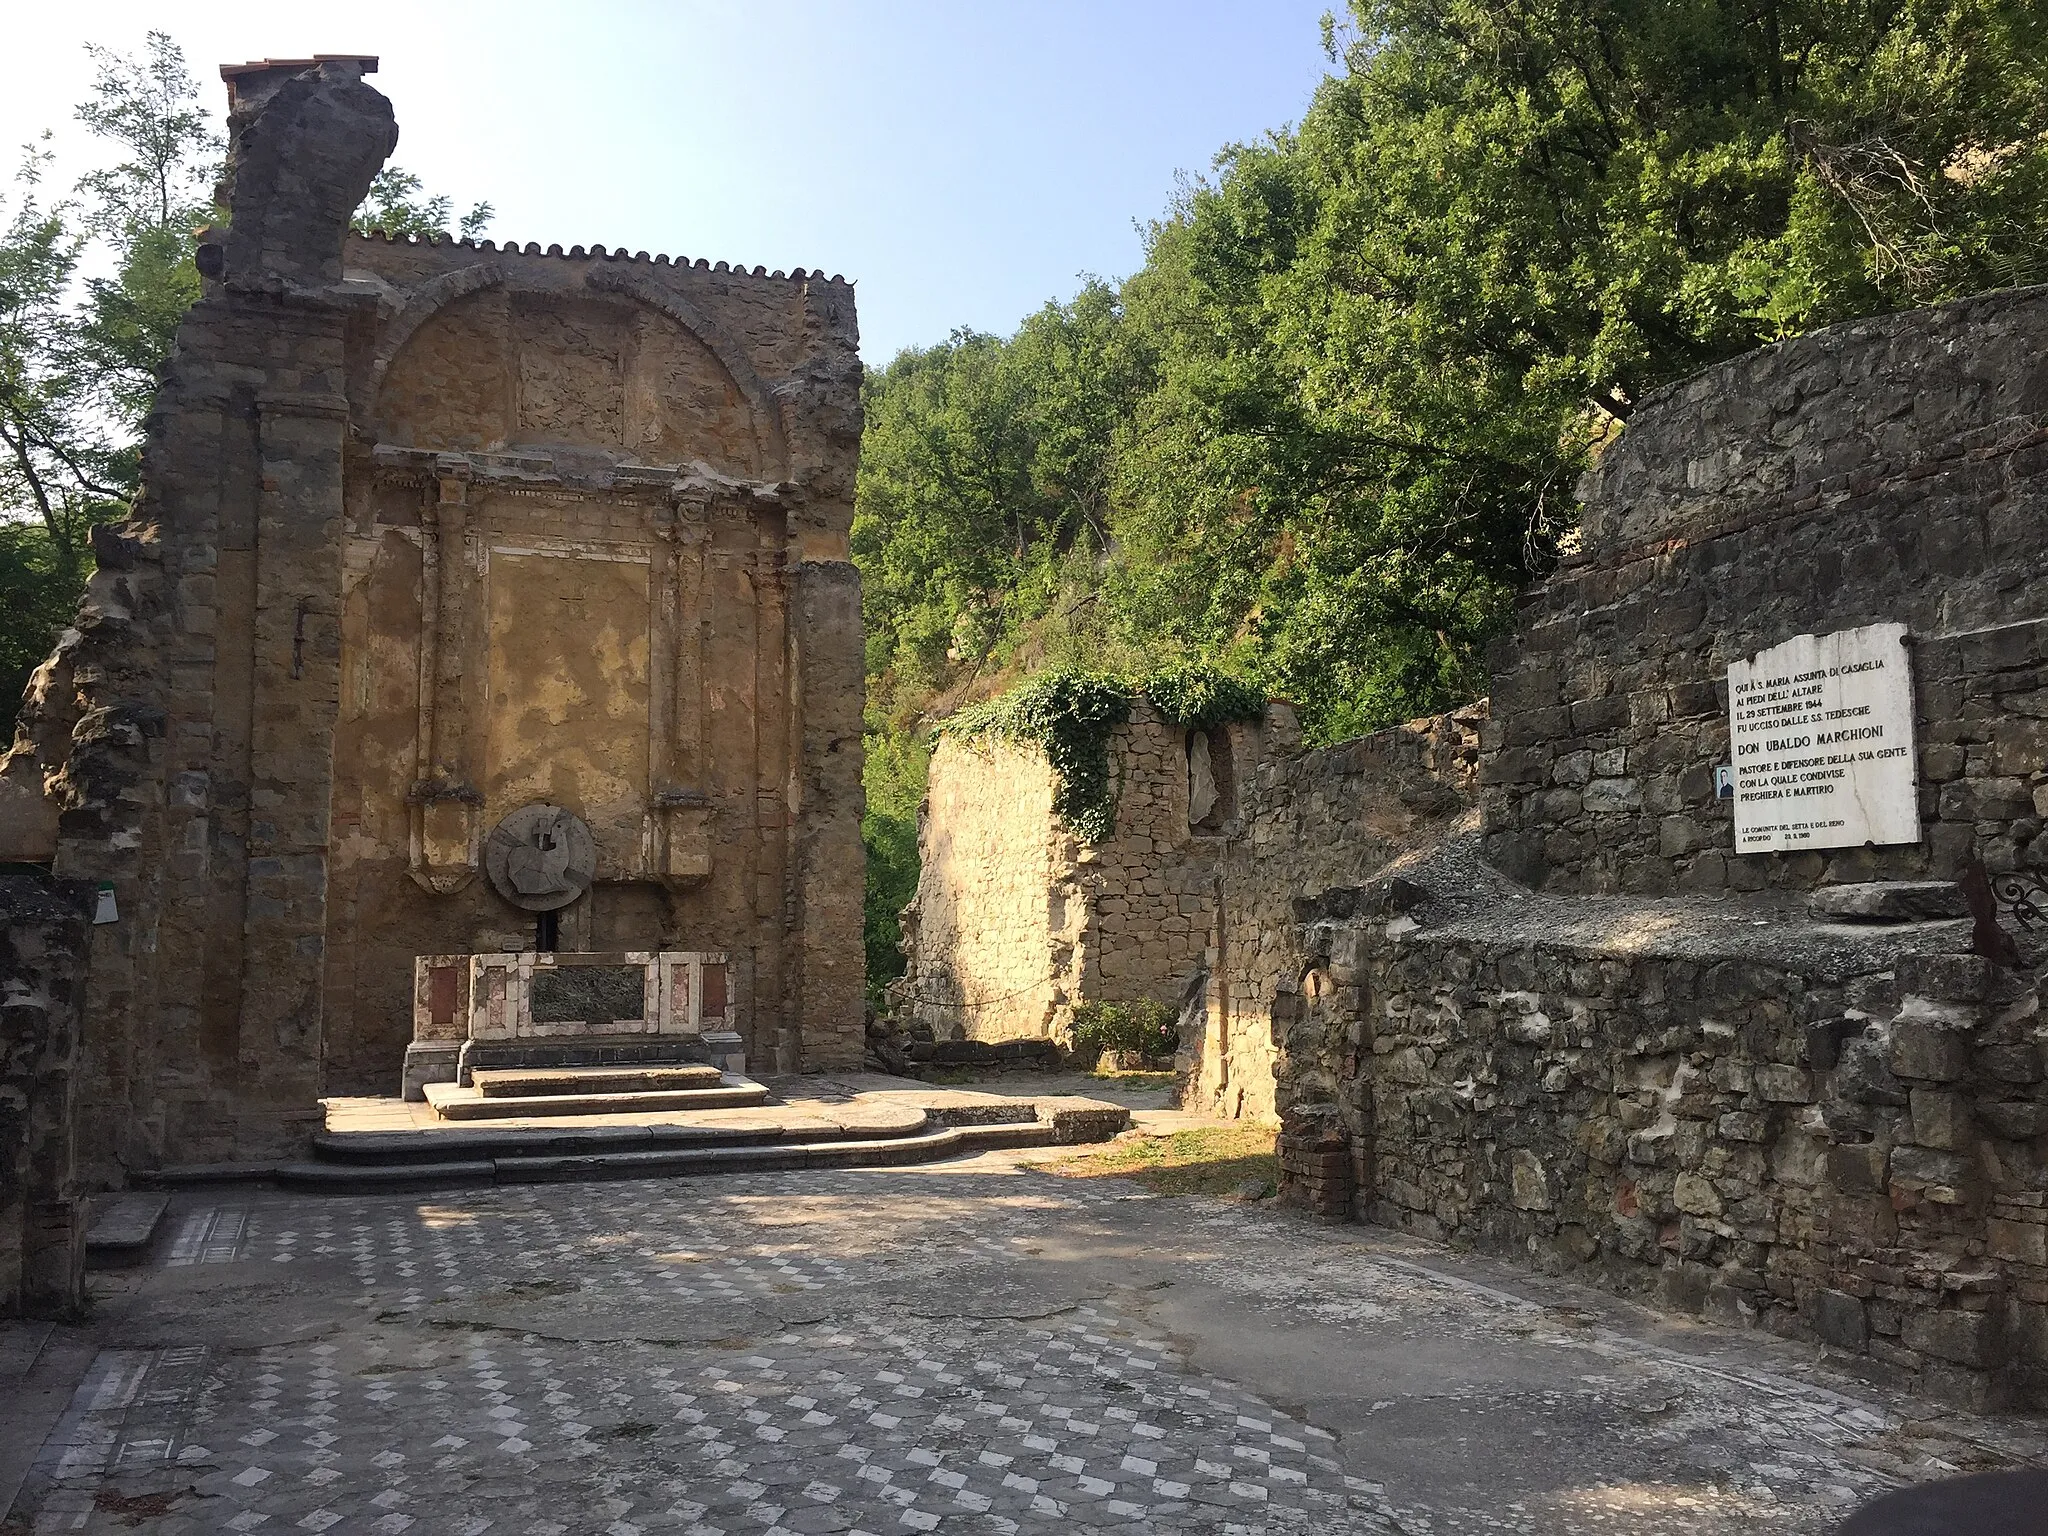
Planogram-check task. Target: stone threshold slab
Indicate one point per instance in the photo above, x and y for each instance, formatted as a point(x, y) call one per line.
point(539, 1082)
point(123, 1228)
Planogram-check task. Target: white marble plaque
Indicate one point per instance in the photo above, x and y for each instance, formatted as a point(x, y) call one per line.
point(1821, 732)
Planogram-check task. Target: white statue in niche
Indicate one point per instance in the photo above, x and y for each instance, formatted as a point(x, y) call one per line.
point(1201, 779)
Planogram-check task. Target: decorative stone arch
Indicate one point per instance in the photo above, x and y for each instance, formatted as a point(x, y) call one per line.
point(438, 293)
point(768, 435)
point(428, 300)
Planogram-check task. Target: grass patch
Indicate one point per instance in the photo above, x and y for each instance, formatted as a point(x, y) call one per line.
point(1204, 1160)
point(1134, 1079)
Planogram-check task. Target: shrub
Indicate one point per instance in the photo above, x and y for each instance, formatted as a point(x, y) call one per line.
point(1146, 1027)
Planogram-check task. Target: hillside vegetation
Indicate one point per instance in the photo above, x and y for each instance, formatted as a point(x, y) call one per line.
point(1334, 422)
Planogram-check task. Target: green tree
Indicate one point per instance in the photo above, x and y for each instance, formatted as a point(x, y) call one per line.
point(59, 466)
point(1391, 339)
point(893, 776)
point(79, 359)
point(78, 369)
point(397, 204)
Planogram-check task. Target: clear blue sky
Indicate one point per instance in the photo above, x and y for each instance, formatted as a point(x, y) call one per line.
point(962, 160)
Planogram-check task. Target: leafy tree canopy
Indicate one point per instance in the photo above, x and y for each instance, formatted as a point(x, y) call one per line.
point(1335, 421)
point(399, 205)
point(93, 285)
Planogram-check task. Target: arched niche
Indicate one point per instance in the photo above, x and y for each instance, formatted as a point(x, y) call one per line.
point(478, 365)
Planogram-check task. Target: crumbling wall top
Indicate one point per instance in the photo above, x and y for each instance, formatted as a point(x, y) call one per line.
point(303, 146)
point(1817, 419)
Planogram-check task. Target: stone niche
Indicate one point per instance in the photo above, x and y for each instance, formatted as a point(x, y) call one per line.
point(433, 533)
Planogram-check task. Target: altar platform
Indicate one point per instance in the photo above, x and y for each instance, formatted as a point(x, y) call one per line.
point(835, 1121)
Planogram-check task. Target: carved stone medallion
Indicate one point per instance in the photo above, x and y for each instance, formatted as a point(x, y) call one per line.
point(541, 857)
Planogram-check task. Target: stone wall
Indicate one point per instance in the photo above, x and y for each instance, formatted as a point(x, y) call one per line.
point(428, 531)
point(1016, 921)
point(1885, 470)
point(43, 925)
point(993, 930)
point(1822, 1129)
point(1318, 823)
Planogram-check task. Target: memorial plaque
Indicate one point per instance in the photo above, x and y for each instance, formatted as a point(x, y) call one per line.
point(1821, 730)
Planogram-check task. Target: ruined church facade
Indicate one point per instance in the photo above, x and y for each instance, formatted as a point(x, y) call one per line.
point(431, 532)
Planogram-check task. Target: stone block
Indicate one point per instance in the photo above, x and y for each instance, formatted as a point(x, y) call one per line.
point(1858, 1169)
point(1986, 799)
point(1840, 1320)
point(1694, 1194)
point(1591, 715)
point(1612, 797)
point(1784, 1085)
point(2023, 1242)
point(1928, 1052)
point(1921, 1168)
point(2019, 1063)
point(1890, 901)
point(1974, 1339)
point(1680, 835)
point(1530, 1181)
point(1573, 768)
point(2013, 1120)
point(1741, 1125)
point(1861, 1223)
point(1946, 978)
point(1940, 1119)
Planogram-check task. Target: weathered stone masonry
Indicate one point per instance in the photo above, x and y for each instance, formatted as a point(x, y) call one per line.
point(1643, 1058)
point(1740, 1104)
point(1891, 469)
point(1016, 921)
point(428, 531)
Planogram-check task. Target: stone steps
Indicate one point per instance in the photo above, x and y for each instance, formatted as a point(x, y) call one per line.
point(123, 1228)
point(365, 1162)
point(453, 1102)
point(928, 1144)
point(550, 1082)
point(486, 1141)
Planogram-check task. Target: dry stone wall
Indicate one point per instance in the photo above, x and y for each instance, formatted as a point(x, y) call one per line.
point(1822, 1129)
point(1885, 470)
point(1319, 823)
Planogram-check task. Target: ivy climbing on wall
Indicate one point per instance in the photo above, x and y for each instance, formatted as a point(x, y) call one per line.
point(1071, 716)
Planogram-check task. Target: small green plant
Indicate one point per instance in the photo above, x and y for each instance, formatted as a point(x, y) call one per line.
point(1144, 1027)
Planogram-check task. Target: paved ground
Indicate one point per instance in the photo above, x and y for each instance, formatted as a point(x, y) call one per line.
point(970, 1347)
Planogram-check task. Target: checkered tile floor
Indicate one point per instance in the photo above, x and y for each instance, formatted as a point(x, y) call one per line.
point(1074, 1424)
point(403, 1411)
